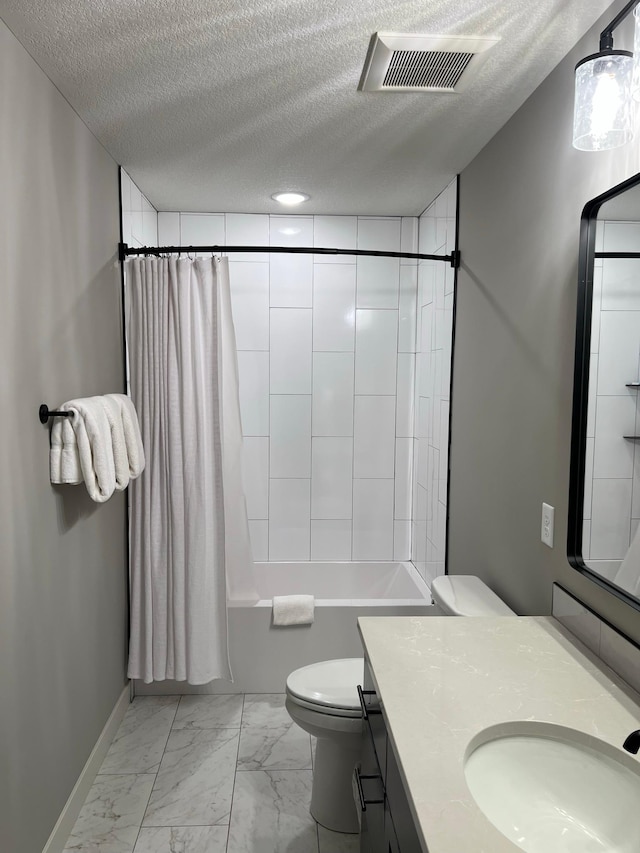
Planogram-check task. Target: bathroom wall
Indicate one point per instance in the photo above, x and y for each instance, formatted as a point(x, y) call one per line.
point(434, 332)
point(326, 359)
point(520, 204)
point(63, 577)
point(612, 476)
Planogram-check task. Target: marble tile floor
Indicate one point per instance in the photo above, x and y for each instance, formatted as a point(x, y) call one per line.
point(205, 774)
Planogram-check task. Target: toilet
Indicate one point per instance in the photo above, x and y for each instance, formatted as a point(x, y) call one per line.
point(466, 595)
point(323, 700)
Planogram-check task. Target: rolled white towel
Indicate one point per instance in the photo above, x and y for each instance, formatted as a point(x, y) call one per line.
point(132, 437)
point(64, 461)
point(293, 609)
point(70, 468)
point(93, 436)
point(113, 411)
point(55, 452)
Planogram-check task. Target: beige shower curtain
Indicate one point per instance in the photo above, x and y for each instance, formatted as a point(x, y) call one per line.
point(189, 541)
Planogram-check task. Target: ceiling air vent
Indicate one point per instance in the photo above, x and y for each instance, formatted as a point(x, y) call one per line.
point(399, 62)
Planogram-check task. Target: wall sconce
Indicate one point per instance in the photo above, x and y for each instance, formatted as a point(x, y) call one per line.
point(607, 87)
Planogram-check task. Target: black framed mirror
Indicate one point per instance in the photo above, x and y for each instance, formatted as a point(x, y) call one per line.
point(604, 492)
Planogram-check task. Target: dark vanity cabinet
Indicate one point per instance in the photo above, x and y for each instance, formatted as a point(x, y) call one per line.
point(387, 824)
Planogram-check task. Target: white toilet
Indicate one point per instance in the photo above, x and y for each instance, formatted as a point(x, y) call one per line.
point(323, 700)
point(466, 595)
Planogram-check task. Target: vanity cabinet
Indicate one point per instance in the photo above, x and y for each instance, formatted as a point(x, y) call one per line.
point(442, 687)
point(387, 825)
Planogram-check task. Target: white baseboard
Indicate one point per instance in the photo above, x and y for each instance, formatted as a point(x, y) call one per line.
point(65, 823)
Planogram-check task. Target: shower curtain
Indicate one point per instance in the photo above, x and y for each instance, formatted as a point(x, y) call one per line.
point(189, 540)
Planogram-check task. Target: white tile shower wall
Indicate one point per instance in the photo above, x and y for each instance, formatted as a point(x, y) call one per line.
point(326, 359)
point(139, 216)
point(434, 333)
point(138, 220)
point(612, 471)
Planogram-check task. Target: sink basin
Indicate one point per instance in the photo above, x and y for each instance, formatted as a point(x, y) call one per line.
point(551, 789)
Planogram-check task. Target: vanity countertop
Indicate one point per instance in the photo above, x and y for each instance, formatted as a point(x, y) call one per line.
point(442, 680)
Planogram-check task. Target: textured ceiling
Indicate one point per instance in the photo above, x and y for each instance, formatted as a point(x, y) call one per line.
point(212, 106)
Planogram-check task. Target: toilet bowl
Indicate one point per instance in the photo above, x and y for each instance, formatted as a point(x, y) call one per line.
point(323, 700)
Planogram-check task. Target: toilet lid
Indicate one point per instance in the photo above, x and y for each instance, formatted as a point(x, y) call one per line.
point(330, 683)
point(467, 595)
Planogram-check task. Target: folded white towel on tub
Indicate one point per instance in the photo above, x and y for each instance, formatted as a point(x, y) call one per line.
point(293, 609)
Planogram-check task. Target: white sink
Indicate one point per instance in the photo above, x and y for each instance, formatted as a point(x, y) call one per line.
point(551, 789)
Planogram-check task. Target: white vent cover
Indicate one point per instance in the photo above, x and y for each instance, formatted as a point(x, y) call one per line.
point(398, 62)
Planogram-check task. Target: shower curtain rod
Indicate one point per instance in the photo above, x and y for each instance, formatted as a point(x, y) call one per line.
point(124, 251)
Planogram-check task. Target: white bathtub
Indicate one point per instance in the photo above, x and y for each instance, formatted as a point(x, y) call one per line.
point(262, 656)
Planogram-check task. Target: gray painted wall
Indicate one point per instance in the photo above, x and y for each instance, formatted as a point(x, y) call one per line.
point(62, 563)
point(520, 206)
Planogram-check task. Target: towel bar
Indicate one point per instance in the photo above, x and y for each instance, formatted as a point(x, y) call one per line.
point(44, 413)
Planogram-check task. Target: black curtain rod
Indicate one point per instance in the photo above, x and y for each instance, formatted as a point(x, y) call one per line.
point(124, 251)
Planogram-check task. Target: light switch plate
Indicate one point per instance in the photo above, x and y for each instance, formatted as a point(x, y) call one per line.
point(546, 532)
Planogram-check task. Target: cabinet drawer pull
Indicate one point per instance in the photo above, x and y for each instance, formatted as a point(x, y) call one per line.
point(366, 709)
point(359, 777)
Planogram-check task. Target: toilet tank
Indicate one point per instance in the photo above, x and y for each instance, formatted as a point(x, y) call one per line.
point(466, 595)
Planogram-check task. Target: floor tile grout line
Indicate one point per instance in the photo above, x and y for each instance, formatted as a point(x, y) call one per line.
point(164, 749)
point(235, 772)
point(275, 770)
point(147, 773)
point(178, 703)
point(153, 784)
point(172, 729)
point(183, 825)
point(236, 728)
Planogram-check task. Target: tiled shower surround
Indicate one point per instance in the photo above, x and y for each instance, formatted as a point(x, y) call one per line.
point(139, 216)
point(345, 427)
point(434, 336)
point(612, 475)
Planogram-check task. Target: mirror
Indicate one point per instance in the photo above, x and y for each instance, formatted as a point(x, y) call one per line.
point(604, 498)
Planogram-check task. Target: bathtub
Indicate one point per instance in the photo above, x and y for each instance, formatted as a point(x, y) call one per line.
point(262, 656)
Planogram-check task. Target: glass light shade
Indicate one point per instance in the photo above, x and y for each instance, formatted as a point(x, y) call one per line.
point(603, 111)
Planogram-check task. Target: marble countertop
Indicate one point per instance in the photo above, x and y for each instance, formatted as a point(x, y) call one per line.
point(442, 680)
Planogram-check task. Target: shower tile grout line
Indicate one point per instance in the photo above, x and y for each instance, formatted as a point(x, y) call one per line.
point(313, 359)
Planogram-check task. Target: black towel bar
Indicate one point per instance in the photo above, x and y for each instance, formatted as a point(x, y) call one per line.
point(44, 413)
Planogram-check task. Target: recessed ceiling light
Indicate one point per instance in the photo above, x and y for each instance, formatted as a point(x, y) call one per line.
point(290, 199)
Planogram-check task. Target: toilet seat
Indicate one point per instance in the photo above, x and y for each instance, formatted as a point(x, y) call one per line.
point(325, 710)
point(328, 687)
